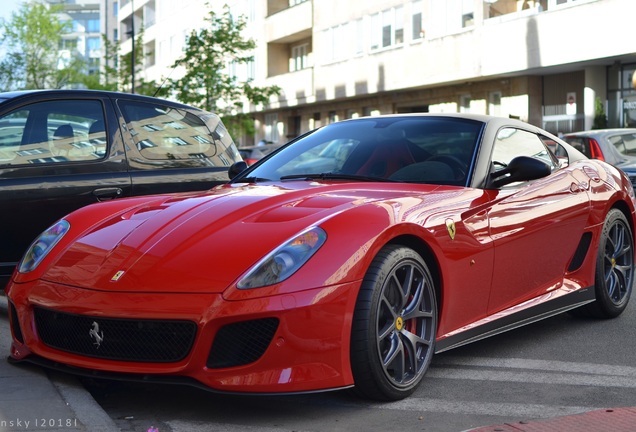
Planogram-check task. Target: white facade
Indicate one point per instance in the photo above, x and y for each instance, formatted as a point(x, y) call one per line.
point(544, 62)
point(84, 37)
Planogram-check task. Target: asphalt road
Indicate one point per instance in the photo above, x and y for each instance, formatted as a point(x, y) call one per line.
point(560, 366)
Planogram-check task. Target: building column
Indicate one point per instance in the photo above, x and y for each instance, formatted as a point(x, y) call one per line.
point(595, 87)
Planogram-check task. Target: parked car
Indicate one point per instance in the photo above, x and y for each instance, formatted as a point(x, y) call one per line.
point(430, 232)
point(615, 146)
point(63, 149)
point(252, 154)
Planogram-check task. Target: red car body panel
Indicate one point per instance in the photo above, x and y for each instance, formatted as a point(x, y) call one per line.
point(180, 257)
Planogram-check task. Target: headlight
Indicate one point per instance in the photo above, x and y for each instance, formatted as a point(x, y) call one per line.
point(283, 261)
point(42, 246)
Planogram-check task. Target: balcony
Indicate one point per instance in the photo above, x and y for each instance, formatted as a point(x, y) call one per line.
point(291, 24)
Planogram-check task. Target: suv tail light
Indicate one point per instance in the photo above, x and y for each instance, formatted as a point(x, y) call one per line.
point(595, 150)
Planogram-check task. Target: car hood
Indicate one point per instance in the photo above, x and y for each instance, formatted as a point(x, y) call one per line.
point(200, 242)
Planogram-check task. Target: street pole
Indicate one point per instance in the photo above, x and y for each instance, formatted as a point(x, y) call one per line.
point(132, 58)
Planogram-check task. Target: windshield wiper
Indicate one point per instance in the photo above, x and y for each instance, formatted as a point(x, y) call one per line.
point(334, 176)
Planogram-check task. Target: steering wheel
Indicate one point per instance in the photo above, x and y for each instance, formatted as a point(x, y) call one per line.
point(459, 168)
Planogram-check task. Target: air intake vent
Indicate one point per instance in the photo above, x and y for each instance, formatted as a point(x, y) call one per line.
point(241, 343)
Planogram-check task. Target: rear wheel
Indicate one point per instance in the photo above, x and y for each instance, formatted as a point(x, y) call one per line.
point(394, 325)
point(614, 269)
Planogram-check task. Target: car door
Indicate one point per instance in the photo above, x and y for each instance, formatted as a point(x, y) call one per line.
point(57, 154)
point(536, 226)
point(174, 148)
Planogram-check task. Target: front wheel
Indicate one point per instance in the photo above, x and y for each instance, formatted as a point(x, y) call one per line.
point(614, 268)
point(394, 325)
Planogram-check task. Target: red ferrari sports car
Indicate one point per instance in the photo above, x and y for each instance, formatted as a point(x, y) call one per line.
point(316, 270)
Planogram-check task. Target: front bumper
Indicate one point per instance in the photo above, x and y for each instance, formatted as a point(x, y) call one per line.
point(280, 344)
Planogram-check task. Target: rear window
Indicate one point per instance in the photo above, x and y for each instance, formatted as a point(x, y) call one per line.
point(582, 144)
point(163, 132)
point(624, 143)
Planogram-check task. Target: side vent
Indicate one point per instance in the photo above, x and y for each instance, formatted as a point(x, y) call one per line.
point(581, 252)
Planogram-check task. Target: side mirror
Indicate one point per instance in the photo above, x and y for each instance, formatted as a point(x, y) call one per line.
point(236, 168)
point(521, 168)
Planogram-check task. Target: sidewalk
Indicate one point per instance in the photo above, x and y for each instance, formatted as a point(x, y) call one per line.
point(608, 420)
point(34, 399)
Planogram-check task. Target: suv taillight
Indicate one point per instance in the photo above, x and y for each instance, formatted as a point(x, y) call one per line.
point(595, 150)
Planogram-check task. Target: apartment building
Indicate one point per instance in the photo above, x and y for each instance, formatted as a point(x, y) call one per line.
point(84, 36)
point(545, 62)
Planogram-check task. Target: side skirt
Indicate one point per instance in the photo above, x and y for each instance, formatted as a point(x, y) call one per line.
point(534, 310)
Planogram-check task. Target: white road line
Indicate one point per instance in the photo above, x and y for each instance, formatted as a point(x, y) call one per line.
point(558, 378)
point(534, 371)
point(542, 365)
point(521, 411)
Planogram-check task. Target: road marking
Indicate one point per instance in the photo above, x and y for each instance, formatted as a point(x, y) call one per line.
point(521, 411)
point(542, 365)
point(534, 371)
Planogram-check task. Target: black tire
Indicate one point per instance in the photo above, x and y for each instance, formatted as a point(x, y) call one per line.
point(394, 326)
point(614, 269)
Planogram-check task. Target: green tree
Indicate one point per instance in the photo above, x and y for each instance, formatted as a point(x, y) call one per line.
point(600, 119)
point(33, 59)
point(207, 83)
point(116, 71)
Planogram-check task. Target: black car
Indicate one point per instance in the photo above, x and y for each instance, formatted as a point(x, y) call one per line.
point(63, 149)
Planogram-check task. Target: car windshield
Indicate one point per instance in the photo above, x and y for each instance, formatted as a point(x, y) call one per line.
point(404, 149)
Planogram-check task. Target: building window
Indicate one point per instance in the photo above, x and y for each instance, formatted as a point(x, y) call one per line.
point(93, 45)
point(387, 28)
point(450, 16)
point(116, 8)
point(92, 26)
point(416, 20)
point(298, 60)
point(359, 37)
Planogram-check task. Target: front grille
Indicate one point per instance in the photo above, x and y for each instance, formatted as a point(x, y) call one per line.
point(241, 343)
point(136, 340)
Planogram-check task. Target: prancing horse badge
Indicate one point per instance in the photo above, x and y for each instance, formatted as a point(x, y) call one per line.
point(450, 226)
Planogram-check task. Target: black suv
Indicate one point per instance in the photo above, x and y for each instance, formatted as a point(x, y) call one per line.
point(63, 149)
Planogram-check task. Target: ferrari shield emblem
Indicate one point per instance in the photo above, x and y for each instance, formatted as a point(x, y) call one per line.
point(117, 275)
point(450, 226)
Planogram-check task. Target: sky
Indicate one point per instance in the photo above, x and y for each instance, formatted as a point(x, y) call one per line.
point(9, 6)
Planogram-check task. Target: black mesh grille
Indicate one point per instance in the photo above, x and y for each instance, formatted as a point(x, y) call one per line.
point(241, 343)
point(134, 340)
point(15, 324)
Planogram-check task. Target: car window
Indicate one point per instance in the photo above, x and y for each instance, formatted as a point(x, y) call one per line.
point(624, 143)
point(167, 133)
point(53, 132)
point(512, 142)
point(580, 143)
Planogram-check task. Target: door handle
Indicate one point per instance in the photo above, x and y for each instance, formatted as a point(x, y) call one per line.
point(105, 194)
